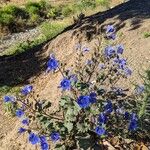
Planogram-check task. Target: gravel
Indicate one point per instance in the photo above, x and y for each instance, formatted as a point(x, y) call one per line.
point(16, 38)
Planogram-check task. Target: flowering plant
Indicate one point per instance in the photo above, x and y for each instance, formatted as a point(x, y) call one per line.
point(91, 107)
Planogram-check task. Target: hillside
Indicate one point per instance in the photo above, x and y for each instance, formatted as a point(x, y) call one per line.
point(131, 19)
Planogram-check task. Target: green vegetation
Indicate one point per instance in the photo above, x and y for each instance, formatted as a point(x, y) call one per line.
point(16, 18)
point(146, 34)
point(8, 89)
point(10, 108)
point(33, 13)
point(144, 105)
point(9, 14)
point(48, 31)
point(68, 10)
point(103, 2)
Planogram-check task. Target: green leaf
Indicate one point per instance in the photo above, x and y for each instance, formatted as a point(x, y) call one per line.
point(94, 110)
point(60, 147)
point(84, 143)
point(48, 124)
point(65, 100)
point(82, 86)
point(62, 102)
point(47, 105)
point(77, 108)
point(83, 127)
point(69, 111)
point(69, 126)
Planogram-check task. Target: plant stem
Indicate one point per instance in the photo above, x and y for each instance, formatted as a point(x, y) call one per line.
point(42, 113)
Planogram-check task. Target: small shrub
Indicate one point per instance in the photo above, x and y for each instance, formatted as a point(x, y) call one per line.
point(89, 3)
point(33, 9)
point(103, 2)
point(146, 34)
point(43, 4)
point(68, 10)
point(14, 10)
point(54, 12)
point(6, 19)
point(11, 9)
point(34, 19)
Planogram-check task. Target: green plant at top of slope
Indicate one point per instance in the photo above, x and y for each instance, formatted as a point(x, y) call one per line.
point(10, 13)
point(102, 2)
point(51, 29)
point(146, 34)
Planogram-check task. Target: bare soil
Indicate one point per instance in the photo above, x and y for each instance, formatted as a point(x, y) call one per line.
point(130, 20)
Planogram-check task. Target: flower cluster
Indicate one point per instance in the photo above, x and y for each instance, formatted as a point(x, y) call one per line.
point(33, 137)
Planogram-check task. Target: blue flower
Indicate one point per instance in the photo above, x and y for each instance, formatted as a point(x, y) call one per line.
point(89, 62)
point(133, 122)
point(109, 51)
point(119, 110)
point(43, 138)
point(108, 108)
point(83, 101)
point(118, 91)
point(134, 116)
point(27, 89)
point(121, 62)
point(21, 130)
point(139, 89)
point(111, 36)
point(44, 144)
point(9, 99)
point(65, 84)
point(102, 118)
point(102, 66)
point(127, 115)
point(100, 131)
point(73, 78)
point(133, 125)
point(78, 46)
point(33, 138)
point(25, 121)
point(86, 49)
point(52, 64)
point(19, 113)
point(55, 136)
point(120, 49)
point(110, 28)
point(92, 97)
point(127, 71)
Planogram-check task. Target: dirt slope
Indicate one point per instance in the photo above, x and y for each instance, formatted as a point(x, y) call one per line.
point(131, 19)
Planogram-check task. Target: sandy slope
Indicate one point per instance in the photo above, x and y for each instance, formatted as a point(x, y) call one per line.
point(137, 50)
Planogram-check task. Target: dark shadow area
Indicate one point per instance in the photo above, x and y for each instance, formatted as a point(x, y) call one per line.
point(135, 10)
point(18, 69)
